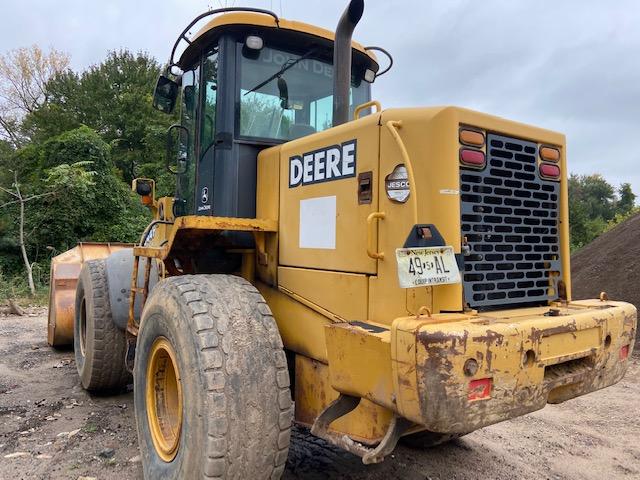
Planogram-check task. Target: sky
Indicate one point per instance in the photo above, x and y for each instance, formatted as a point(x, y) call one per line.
point(572, 66)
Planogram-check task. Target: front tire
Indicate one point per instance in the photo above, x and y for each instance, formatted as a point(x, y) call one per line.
point(99, 345)
point(211, 384)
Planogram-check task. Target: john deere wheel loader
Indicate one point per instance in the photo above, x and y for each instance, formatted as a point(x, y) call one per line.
point(393, 274)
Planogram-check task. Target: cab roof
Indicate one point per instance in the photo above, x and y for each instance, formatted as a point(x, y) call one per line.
point(219, 24)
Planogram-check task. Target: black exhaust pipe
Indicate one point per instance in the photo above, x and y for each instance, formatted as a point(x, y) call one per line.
point(342, 60)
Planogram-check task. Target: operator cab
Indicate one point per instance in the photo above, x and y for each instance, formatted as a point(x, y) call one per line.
point(247, 81)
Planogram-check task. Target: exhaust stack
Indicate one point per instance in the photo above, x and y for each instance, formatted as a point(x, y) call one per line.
point(342, 60)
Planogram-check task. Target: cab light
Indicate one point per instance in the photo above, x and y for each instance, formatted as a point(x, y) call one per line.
point(369, 75)
point(473, 158)
point(624, 352)
point(479, 389)
point(471, 137)
point(549, 170)
point(254, 42)
point(549, 154)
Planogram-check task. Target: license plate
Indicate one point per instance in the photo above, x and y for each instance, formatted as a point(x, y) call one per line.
point(423, 266)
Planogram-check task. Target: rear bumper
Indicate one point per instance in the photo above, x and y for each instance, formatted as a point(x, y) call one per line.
point(455, 373)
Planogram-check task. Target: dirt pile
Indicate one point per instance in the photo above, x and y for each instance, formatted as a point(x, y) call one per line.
point(611, 263)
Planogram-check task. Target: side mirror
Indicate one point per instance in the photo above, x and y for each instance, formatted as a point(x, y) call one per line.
point(146, 188)
point(283, 91)
point(165, 94)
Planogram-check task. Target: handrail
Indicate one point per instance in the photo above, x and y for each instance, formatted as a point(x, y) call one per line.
point(370, 249)
point(393, 126)
point(183, 35)
point(360, 108)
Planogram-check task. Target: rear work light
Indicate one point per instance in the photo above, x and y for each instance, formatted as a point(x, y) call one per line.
point(550, 171)
point(549, 154)
point(472, 158)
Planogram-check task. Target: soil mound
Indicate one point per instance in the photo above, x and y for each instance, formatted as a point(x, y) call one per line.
point(611, 263)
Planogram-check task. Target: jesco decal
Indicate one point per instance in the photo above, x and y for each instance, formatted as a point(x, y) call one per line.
point(323, 165)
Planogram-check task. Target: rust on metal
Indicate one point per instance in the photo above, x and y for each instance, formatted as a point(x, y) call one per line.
point(65, 270)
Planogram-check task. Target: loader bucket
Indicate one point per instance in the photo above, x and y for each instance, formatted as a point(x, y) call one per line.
point(65, 270)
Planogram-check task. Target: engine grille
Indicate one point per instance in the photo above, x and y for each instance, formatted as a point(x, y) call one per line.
point(510, 220)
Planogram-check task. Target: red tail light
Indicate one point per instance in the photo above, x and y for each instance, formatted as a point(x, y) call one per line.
point(472, 158)
point(624, 352)
point(479, 389)
point(550, 170)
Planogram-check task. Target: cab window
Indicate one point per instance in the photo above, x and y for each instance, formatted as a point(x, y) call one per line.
point(286, 95)
point(209, 97)
point(185, 184)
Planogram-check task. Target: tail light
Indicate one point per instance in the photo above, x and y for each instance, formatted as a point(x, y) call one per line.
point(549, 154)
point(479, 389)
point(624, 352)
point(472, 158)
point(471, 137)
point(550, 171)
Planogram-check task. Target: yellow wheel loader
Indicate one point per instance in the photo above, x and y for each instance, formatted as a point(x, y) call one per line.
point(375, 275)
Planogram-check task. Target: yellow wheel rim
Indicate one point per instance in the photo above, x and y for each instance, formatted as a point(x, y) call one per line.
point(163, 396)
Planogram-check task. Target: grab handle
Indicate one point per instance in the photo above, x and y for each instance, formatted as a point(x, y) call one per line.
point(360, 108)
point(371, 251)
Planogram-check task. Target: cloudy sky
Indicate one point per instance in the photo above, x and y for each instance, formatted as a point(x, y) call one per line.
point(571, 66)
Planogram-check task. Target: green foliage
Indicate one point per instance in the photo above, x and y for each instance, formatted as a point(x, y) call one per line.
point(94, 132)
point(85, 200)
point(16, 287)
point(99, 207)
point(595, 206)
point(114, 99)
point(621, 217)
point(627, 199)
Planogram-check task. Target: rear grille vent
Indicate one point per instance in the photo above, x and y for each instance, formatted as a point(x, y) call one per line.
point(510, 220)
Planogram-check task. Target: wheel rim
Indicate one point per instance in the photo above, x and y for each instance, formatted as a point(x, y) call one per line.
point(83, 326)
point(163, 396)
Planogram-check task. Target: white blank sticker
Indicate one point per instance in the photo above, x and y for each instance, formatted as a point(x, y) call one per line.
point(318, 223)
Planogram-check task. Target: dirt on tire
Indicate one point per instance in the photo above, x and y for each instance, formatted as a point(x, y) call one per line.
point(42, 404)
point(235, 383)
point(101, 365)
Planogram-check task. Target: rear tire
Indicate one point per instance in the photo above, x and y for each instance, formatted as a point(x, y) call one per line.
point(229, 412)
point(427, 439)
point(98, 344)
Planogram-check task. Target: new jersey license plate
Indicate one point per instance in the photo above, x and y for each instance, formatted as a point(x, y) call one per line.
point(424, 266)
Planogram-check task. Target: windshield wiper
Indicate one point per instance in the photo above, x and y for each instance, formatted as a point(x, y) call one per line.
point(287, 65)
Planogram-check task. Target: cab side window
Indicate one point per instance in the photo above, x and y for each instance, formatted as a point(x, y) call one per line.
point(209, 97)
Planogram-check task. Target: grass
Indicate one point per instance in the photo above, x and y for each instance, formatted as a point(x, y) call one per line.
point(16, 288)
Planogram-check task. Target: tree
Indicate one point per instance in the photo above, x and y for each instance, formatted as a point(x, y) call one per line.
point(594, 207)
point(62, 177)
point(627, 200)
point(114, 98)
point(24, 74)
point(108, 211)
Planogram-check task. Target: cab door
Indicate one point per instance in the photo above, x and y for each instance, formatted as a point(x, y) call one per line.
point(207, 134)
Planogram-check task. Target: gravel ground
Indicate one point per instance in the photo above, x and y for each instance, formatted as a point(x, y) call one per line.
point(51, 429)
